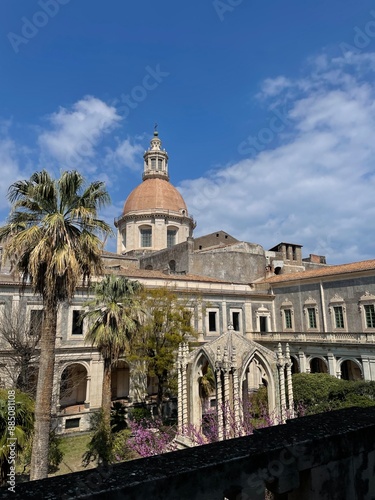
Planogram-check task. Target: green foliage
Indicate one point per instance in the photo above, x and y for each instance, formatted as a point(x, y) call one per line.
point(166, 324)
point(55, 453)
point(258, 402)
point(113, 315)
point(139, 413)
point(320, 392)
point(207, 383)
point(23, 427)
point(100, 446)
point(121, 450)
point(118, 414)
point(52, 231)
point(53, 239)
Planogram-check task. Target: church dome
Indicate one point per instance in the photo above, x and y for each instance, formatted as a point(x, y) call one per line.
point(153, 194)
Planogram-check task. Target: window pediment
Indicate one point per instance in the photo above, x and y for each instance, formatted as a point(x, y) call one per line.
point(336, 299)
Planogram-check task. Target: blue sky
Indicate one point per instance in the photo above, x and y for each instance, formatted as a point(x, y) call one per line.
point(265, 108)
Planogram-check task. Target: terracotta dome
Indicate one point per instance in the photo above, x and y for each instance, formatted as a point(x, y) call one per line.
point(154, 194)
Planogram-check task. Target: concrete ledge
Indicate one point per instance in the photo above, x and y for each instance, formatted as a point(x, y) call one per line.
point(328, 456)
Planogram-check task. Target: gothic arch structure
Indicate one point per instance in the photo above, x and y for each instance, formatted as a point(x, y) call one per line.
point(239, 367)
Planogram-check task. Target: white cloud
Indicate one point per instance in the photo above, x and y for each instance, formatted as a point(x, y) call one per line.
point(127, 154)
point(76, 132)
point(317, 188)
point(9, 170)
point(272, 86)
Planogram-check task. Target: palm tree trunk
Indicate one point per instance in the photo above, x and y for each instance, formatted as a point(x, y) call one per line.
point(43, 404)
point(106, 393)
point(106, 406)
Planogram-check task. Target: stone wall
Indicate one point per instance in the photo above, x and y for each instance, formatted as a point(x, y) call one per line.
point(328, 456)
point(238, 263)
point(350, 290)
point(163, 260)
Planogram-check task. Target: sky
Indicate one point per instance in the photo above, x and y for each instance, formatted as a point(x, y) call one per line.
point(266, 109)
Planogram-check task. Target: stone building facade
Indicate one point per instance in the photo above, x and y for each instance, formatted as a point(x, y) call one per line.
point(325, 313)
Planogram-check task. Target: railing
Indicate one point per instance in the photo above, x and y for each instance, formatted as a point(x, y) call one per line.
point(328, 337)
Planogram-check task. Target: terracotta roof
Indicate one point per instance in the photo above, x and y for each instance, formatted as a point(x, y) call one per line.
point(354, 267)
point(153, 194)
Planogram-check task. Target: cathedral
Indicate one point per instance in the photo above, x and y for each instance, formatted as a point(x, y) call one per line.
point(254, 302)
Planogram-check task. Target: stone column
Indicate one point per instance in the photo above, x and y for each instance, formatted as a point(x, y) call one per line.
point(224, 314)
point(87, 398)
point(180, 392)
point(280, 366)
point(185, 348)
point(302, 361)
point(219, 396)
point(56, 391)
point(236, 400)
point(226, 404)
point(331, 364)
point(289, 381)
point(366, 368)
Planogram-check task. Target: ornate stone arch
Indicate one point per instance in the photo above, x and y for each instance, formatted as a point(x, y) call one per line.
point(195, 371)
point(321, 358)
point(267, 373)
point(73, 391)
point(355, 361)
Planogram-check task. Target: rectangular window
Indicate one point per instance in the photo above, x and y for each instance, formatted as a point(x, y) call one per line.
point(171, 237)
point(160, 164)
point(339, 316)
point(153, 163)
point(36, 319)
point(312, 317)
point(370, 315)
point(77, 323)
point(263, 324)
point(146, 237)
point(72, 423)
point(212, 321)
point(288, 318)
point(236, 321)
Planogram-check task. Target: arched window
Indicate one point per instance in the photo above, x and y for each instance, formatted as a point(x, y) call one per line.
point(171, 236)
point(146, 236)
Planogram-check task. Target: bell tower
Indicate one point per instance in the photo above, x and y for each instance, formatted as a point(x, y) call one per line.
point(155, 160)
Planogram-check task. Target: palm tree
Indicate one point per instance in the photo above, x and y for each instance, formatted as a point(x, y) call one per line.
point(113, 318)
point(23, 413)
point(52, 239)
point(207, 386)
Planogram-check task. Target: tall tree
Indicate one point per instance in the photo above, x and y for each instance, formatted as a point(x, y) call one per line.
point(113, 317)
point(23, 337)
point(52, 237)
point(166, 324)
